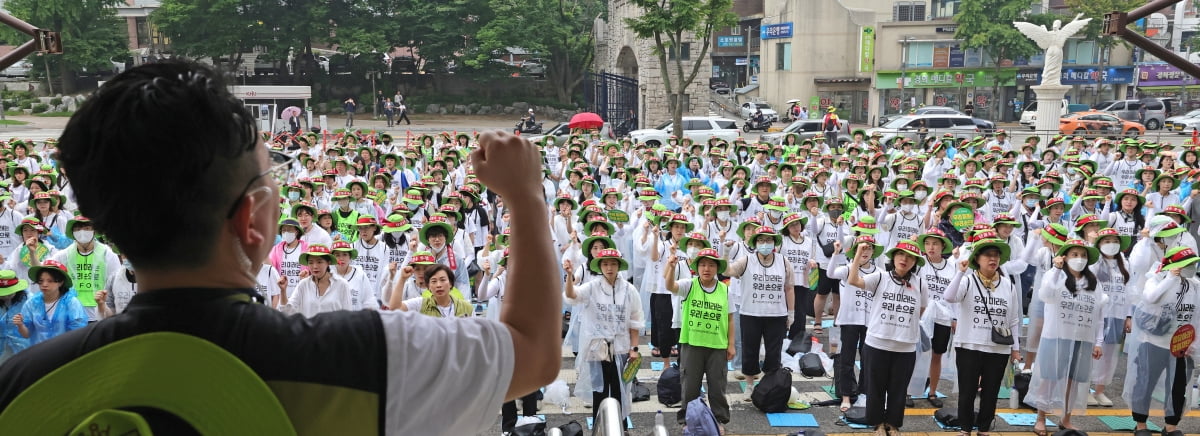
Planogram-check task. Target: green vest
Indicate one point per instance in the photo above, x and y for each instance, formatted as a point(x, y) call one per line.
point(706, 317)
point(850, 204)
point(347, 226)
point(88, 273)
point(462, 309)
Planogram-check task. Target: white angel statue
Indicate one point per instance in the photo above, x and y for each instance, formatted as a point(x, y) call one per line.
point(1052, 40)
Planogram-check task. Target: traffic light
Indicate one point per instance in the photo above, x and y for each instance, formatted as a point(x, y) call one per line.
point(48, 41)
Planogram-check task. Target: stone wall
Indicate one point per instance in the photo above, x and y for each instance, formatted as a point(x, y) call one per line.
point(619, 51)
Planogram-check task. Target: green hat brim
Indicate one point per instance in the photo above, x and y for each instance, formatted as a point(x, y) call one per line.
point(876, 252)
point(920, 258)
point(778, 240)
point(35, 271)
point(721, 263)
point(1093, 253)
point(353, 253)
point(977, 247)
point(947, 244)
point(587, 243)
point(1181, 263)
point(683, 242)
point(1053, 240)
point(446, 226)
point(21, 285)
point(594, 265)
point(305, 256)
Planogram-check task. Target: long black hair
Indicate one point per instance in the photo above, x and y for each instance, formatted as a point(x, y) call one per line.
point(1073, 286)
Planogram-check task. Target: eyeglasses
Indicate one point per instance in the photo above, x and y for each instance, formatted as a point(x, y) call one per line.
point(278, 172)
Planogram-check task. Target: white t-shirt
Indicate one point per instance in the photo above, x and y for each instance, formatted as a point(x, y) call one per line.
point(120, 291)
point(474, 361)
point(893, 322)
point(305, 301)
point(267, 283)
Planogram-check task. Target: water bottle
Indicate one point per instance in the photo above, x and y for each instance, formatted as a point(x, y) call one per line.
point(658, 420)
point(835, 339)
point(1195, 394)
point(816, 345)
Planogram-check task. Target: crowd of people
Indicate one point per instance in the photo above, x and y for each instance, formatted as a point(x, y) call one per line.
point(717, 249)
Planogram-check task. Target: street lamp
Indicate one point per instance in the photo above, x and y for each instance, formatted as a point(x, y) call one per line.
point(372, 75)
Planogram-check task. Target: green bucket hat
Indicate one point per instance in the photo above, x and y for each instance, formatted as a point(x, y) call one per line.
point(1055, 233)
point(317, 250)
point(711, 254)
point(52, 265)
point(1092, 252)
point(10, 284)
point(1179, 257)
point(695, 236)
point(979, 246)
point(933, 232)
point(909, 247)
point(439, 221)
point(876, 249)
point(766, 231)
point(396, 223)
point(596, 236)
point(608, 253)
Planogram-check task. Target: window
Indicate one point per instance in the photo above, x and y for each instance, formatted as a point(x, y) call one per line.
point(687, 104)
point(143, 31)
point(908, 11)
point(945, 8)
point(964, 122)
point(920, 54)
point(1154, 105)
point(783, 56)
point(684, 52)
point(696, 125)
point(735, 30)
point(1079, 52)
point(726, 124)
point(938, 123)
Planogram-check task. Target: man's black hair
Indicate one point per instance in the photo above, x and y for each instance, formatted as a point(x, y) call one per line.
point(156, 157)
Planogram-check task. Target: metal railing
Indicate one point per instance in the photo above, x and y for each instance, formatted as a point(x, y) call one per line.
point(608, 420)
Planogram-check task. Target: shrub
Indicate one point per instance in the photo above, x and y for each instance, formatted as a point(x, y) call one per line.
point(40, 107)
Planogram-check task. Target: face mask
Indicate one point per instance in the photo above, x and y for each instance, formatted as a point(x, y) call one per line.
point(1047, 192)
point(901, 186)
point(1031, 203)
point(765, 248)
point(775, 214)
point(289, 237)
point(293, 196)
point(742, 154)
point(127, 265)
point(1077, 264)
point(723, 215)
point(692, 252)
point(920, 195)
point(84, 236)
point(834, 213)
point(908, 208)
point(1110, 249)
point(1188, 271)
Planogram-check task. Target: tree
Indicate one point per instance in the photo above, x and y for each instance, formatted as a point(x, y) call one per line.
point(669, 23)
point(216, 29)
point(92, 35)
point(561, 31)
point(1095, 9)
point(987, 25)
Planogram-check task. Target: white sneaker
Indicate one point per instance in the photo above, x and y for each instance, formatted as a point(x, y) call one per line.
point(738, 375)
point(1103, 400)
point(1092, 400)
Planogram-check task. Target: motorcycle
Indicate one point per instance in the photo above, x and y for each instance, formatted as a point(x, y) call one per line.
point(524, 126)
point(752, 125)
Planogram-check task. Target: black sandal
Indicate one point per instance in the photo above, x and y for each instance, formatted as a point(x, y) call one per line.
point(654, 352)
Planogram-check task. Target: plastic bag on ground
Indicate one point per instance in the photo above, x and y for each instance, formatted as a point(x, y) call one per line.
point(558, 394)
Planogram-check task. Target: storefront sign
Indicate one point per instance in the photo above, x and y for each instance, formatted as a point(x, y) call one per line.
point(1163, 75)
point(936, 79)
point(1080, 76)
point(731, 41)
point(776, 31)
point(739, 62)
point(946, 29)
point(956, 56)
point(866, 52)
point(941, 55)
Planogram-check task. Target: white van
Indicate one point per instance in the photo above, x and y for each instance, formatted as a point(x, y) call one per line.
point(1029, 115)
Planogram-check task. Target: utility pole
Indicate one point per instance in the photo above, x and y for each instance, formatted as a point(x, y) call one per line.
point(748, 68)
point(903, 71)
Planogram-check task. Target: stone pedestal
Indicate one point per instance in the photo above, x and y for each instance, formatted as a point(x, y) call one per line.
point(1049, 99)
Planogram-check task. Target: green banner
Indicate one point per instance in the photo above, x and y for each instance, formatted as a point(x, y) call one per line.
point(618, 216)
point(866, 50)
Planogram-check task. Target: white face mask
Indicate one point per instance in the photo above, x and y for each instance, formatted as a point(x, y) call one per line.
point(84, 236)
point(765, 248)
point(723, 215)
point(293, 195)
point(127, 265)
point(289, 237)
point(1110, 249)
point(692, 252)
point(920, 195)
point(1047, 192)
point(901, 186)
point(1188, 272)
point(775, 214)
point(908, 208)
point(742, 154)
point(1077, 264)
point(1031, 203)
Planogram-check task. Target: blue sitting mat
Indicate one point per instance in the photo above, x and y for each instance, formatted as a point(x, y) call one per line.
point(792, 420)
point(1022, 419)
point(1126, 423)
point(926, 395)
point(854, 426)
point(656, 366)
point(943, 426)
point(628, 423)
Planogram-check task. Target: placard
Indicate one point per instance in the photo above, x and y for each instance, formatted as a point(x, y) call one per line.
point(618, 216)
point(962, 218)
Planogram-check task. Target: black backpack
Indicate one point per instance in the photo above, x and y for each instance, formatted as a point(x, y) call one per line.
point(773, 391)
point(670, 389)
point(948, 416)
point(1021, 385)
point(639, 391)
point(800, 346)
point(855, 415)
point(810, 365)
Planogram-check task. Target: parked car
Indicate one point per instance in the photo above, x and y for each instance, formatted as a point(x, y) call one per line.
point(1183, 124)
point(19, 69)
point(714, 84)
point(533, 68)
point(562, 131)
point(806, 129)
point(984, 126)
point(1097, 123)
point(1029, 115)
point(699, 129)
point(723, 90)
point(1156, 110)
point(961, 126)
point(404, 64)
point(748, 108)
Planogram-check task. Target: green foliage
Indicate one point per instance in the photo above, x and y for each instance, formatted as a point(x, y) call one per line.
point(55, 101)
point(40, 107)
point(1095, 9)
point(91, 32)
point(987, 25)
point(670, 24)
point(209, 28)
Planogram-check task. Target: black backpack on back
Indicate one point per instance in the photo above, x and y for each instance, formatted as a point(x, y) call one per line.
point(773, 391)
point(670, 388)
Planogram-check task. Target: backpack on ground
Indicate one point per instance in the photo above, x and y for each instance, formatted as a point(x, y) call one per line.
point(573, 428)
point(810, 365)
point(670, 388)
point(800, 346)
point(639, 392)
point(773, 391)
point(530, 426)
point(1021, 385)
point(947, 416)
point(700, 419)
point(855, 415)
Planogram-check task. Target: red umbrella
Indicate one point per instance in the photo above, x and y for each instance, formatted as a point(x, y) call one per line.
point(586, 120)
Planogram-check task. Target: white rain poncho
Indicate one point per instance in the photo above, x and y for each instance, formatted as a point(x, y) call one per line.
point(606, 315)
point(1112, 283)
point(1166, 303)
point(1072, 328)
